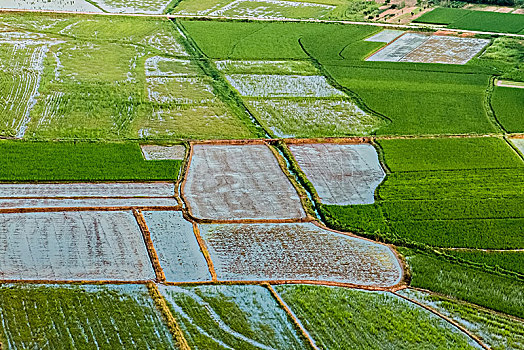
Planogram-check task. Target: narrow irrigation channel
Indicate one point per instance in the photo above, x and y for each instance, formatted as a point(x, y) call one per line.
point(299, 181)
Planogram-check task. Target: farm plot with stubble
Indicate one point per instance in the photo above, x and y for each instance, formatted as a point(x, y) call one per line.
point(238, 182)
point(301, 251)
point(339, 318)
point(73, 246)
point(341, 174)
point(425, 48)
point(80, 317)
point(51, 5)
point(177, 247)
point(149, 86)
point(232, 317)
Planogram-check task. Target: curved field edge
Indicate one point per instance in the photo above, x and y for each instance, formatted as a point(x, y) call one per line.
point(368, 320)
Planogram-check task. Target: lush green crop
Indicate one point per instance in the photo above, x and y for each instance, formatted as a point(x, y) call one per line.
point(508, 104)
point(511, 261)
point(474, 20)
point(496, 292)
point(497, 331)
point(53, 317)
point(442, 15)
point(449, 154)
point(339, 318)
point(80, 161)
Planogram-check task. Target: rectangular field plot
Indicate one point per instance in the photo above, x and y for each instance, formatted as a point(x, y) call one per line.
point(12, 204)
point(341, 174)
point(341, 318)
point(298, 252)
point(313, 118)
point(255, 8)
point(53, 5)
point(396, 50)
point(134, 6)
point(232, 317)
point(72, 246)
point(81, 317)
point(261, 85)
point(267, 67)
point(424, 48)
point(230, 182)
point(177, 248)
point(385, 36)
point(446, 49)
point(72, 190)
point(155, 152)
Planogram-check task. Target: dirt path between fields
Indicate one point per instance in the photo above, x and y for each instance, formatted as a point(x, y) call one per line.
point(257, 19)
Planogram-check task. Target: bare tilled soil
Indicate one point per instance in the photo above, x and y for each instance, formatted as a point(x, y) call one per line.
point(72, 246)
point(239, 182)
point(155, 152)
point(300, 251)
point(72, 190)
point(341, 174)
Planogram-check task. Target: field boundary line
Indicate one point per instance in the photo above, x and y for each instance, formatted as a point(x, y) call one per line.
point(146, 235)
point(284, 281)
point(483, 250)
point(490, 111)
point(447, 319)
point(420, 27)
point(72, 209)
point(307, 205)
point(72, 282)
point(463, 302)
point(169, 318)
point(178, 182)
point(186, 207)
point(205, 252)
point(292, 315)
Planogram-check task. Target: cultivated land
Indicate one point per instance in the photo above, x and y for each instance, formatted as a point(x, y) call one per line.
point(341, 174)
point(298, 252)
point(241, 182)
point(140, 209)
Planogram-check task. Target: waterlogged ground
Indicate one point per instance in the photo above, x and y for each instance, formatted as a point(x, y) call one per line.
point(341, 174)
point(177, 248)
point(54, 5)
point(425, 48)
point(232, 317)
point(300, 251)
point(72, 246)
point(227, 182)
point(80, 317)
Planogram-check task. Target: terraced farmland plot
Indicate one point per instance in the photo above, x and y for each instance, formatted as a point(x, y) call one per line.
point(340, 318)
point(520, 144)
point(424, 48)
point(267, 67)
point(156, 152)
point(341, 174)
point(177, 248)
point(255, 8)
point(55, 5)
point(232, 317)
point(283, 86)
point(235, 182)
point(313, 118)
point(81, 317)
point(496, 330)
point(72, 246)
point(385, 36)
point(299, 251)
point(22, 58)
point(83, 190)
point(134, 6)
